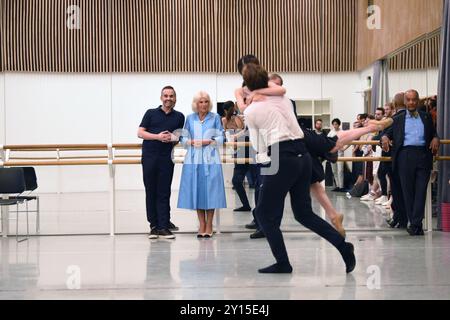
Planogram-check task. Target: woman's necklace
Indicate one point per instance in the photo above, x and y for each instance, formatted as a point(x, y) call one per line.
point(202, 121)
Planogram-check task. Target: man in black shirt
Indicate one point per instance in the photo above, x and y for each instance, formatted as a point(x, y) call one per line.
point(158, 130)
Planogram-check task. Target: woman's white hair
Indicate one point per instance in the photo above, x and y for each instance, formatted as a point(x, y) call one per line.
point(198, 97)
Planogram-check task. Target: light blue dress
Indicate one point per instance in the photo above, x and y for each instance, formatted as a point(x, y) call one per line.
point(202, 185)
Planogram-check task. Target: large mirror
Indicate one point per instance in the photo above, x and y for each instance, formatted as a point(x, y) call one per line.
point(338, 61)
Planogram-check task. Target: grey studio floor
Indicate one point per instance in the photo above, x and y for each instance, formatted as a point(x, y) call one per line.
point(56, 265)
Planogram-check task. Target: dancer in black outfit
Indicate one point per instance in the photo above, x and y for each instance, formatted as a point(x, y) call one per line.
point(273, 120)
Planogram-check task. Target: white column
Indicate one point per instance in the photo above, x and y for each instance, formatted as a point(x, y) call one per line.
point(112, 191)
point(323, 214)
point(429, 210)
point(5, 209)
point(218, 221)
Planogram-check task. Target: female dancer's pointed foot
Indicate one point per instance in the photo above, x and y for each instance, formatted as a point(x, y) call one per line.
point(348, 254)
point(337, 223)
point(277, 268)
point(382, 124)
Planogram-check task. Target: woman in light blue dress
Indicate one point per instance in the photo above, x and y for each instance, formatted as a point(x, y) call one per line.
point(202, 185)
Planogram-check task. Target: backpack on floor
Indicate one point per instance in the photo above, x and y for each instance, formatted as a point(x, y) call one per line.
point(360, 189)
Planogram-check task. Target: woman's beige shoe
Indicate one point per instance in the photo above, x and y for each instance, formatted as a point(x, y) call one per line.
point(337, 223)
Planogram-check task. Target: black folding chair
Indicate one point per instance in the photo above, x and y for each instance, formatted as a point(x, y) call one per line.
point(12, 185)
point(30, 186)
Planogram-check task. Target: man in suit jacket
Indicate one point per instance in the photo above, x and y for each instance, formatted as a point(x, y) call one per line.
point(399, 218)
point(415, 141)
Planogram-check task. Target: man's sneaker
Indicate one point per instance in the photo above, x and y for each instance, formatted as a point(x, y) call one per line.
point(165, 234)
point(388, 203)
point(368, 197)
point(364, 197)
point(251, 225)
point(257, 235)
point(381, 200)
point(153, 234)
point(173, 227)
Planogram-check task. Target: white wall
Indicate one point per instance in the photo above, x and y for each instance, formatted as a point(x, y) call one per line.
point(424, 81)
point(341, 88)
point(93, 108)
point(133, 94)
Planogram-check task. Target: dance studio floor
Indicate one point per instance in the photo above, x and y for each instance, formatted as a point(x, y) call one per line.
point(390, 264)
point(133, 267)
point(88, 213)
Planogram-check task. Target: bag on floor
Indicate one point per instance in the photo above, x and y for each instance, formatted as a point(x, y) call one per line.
point(360, 189)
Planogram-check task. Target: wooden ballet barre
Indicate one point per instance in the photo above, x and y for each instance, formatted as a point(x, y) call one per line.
point(127, 146)
point(54, 147)
point(134, 146)
point(382, 159)
point(94, 162)
point(181, 161)
point(55, 163)
point(104, 147)
point(127, 156)
point(55, 158)
point(125, 159)
point(364, 159)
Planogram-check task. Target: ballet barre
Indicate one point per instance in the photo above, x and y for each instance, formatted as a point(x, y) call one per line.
point(112, 159)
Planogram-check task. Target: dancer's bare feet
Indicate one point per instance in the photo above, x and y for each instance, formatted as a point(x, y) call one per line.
point(337, 223)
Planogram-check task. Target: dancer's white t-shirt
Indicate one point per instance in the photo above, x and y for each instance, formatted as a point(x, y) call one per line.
point(271, 121)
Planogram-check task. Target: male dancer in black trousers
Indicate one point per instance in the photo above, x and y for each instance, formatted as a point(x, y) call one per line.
point(273, 120)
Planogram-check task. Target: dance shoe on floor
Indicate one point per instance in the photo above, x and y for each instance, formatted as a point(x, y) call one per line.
point(348, 254)
point(251, 225)
point(257, 235)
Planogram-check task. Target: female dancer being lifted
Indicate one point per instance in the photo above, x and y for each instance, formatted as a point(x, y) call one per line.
point(275, 124)
point(319, 146)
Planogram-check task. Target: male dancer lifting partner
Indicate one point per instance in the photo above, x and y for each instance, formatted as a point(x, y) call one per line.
point(319, 146)
point(273, 121)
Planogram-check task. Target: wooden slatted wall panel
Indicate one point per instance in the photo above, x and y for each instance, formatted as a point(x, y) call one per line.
point(179, 35)
point(38, 38)
point(434, 50)
point(423, 55)
point(339, 35)
point(163, 36)
point(283, 34)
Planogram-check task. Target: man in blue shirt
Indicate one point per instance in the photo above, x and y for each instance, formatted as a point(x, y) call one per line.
point(158, 130)
point(415, 141)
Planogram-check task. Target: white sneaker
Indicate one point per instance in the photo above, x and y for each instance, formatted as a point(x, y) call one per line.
point(368, 197)
point(381, 200)
point(363, 198)
point(153, 234)
point(388, 203)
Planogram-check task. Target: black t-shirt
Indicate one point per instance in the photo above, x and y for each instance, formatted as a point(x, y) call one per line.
point(156, 121)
